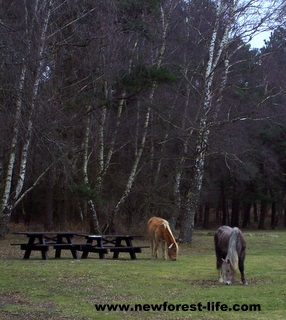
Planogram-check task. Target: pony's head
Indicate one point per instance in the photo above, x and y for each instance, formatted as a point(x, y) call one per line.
point(228, 271)
point(173, 251)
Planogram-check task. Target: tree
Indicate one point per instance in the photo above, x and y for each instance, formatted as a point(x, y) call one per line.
point(141, 108)
point(155, 76)
point(224, 42)
point(12, 195)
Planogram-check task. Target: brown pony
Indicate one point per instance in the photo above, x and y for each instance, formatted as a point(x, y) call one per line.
point(230, 249)
point(159, 231)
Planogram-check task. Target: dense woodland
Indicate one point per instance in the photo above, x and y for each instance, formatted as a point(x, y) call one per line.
point(112, 111)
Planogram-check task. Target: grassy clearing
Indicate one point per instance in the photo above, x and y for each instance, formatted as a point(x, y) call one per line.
point(69, 289)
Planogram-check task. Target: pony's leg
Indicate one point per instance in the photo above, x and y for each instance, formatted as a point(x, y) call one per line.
point(241, 268)
point(218, 266)
point(152, 248)
point(156, 245)
point(220, 277)
point(165, 250)
point(219, 260)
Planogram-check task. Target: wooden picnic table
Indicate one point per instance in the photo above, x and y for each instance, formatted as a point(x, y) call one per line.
point(114, 243)
point(41, 241)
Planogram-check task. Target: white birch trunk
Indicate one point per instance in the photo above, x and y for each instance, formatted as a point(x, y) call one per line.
point(181, 163)
point(114, 135)
point(134, 169)
point(8, 204)
point(193, 194)
point(85, 148)
point(9, 175)
point(90, 202)
point(99, 180)
point(39, 71)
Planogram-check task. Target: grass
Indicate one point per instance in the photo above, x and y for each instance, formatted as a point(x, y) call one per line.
point(68, 289)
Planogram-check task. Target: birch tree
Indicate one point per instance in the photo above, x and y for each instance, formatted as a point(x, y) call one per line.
point(40, 16)
point(165, 12)
point(227, 27)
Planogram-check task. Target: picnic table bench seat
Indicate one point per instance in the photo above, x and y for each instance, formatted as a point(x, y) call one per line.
point(44, 248)
point(40, 246)
point(102, 251)
point(87, 247)
point(131, 250)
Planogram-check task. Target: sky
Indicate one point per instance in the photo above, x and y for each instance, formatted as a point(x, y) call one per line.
point(258, 41)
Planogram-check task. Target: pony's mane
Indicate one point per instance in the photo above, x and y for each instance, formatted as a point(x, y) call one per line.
point(167, 227)
point(232, 251)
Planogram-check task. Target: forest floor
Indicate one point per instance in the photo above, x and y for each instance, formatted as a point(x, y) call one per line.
point(185, 289)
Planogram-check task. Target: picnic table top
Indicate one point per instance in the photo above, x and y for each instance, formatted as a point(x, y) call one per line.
point(112, 236)
point(80, 234)
point(32, 233)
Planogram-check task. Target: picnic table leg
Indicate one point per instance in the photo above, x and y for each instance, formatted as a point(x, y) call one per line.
point(44, 254)
point(27, 254)
point(58, 249)
point(115, 254)
point(84, 254)
point(74, 253)
point(85, 251)
point(100, 244)
point(72, 249)
point(117, 244)
point(132, 254)
point(28, 251)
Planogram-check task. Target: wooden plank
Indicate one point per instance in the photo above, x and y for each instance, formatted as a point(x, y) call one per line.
point(34, 247)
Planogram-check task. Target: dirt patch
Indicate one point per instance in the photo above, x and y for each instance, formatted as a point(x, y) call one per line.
point(30, 310)
point(15, 298)
point(215, 283)
point(253, 281)
point(204, 283)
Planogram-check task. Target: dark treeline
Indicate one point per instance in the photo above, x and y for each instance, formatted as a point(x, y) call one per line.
point(113, 111)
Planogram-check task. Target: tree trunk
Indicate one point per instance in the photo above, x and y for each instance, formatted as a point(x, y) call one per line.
point(215, 52)
point(255, 212)
point(246, 215)
point(133, 172)
point(224, 207)
point(181, 163)
point(235, 211)
point(273, 215)
point(49, 197)
point(206, 215)
point(263, 209)
point(94, 222)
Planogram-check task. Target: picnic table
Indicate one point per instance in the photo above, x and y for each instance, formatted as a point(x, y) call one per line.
point(41, 241)
point(114, 243)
